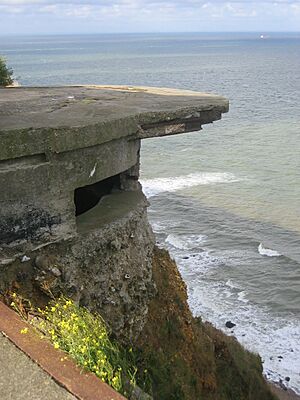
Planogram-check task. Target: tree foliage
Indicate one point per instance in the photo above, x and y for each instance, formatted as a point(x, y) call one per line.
point(5, 74)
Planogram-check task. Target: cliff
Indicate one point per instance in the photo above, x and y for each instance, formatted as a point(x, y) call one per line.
point(187, 358)
point(73, 220)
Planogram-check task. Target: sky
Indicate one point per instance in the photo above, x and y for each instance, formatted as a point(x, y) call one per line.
point(114, 16)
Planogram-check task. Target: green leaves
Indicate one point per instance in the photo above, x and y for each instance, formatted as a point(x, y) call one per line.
point(5, 74)
point(86, 338)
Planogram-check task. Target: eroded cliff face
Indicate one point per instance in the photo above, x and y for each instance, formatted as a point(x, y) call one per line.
point(107, 269)
point(188, 359)
point(117, 271)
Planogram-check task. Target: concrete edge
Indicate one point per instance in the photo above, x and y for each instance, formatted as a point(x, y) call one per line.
point(159, 90)
point(81, 384)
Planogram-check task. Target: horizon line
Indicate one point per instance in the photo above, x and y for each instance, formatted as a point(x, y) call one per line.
point(146, 33)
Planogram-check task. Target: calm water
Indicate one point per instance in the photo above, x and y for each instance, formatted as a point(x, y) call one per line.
point(224, 201)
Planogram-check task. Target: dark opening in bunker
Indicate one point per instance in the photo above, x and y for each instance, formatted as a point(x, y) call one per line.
point(87, 197)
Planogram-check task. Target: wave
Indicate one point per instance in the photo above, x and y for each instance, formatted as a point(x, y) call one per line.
point(242, 296)
point(220, 301)
point(235, 288)
point(275, 338)
point(152, 187)
point(267, 252)
point(185, 242)
point(232, 284)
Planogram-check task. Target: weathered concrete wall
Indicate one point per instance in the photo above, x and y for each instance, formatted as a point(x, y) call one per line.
point(107, 267)
point(56, 140)
point(38, 203)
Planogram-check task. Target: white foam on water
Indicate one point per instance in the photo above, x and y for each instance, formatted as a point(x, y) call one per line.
point(232, 284)
point(158, 227)
point(259, 331)
point(190, 251)
point(272, 336)
point(176, 241)
point(153, 187)
point(242, 296)
point(267, 252)
point(185, 242)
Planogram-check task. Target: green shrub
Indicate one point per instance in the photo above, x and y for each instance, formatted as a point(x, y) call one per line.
point(5, 74)
point(86, 338)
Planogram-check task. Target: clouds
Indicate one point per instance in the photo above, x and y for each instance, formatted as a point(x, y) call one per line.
point(141, 3)
point(150, 15)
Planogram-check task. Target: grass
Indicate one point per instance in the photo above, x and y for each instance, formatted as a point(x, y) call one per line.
point(176, 356)
point(86, 338)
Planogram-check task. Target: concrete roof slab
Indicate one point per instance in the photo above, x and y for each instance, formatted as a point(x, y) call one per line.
point(35, 120)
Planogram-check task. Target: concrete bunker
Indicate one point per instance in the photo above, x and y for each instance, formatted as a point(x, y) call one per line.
point(103, 256)
point(73, 166)
point(87, 197)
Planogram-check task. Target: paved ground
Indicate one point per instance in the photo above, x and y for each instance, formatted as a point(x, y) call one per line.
point(22, 379)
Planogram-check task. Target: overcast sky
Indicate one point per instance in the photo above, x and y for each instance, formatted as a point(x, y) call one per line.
point(91, 16)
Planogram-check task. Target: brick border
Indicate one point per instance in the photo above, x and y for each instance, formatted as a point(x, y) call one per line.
point(83, 385)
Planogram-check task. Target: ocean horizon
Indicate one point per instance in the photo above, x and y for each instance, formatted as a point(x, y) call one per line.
point(224, 201)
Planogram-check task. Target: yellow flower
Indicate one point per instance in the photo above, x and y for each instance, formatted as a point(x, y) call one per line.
point(115, 380)
point(56, 345)
point(14, 295)
point(24, 331)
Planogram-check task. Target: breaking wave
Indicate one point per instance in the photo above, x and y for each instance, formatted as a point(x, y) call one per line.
point(152, 187)
point(185, 242)
point(267, 252)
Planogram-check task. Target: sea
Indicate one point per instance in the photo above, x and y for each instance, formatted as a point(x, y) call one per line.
point(225, 201)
